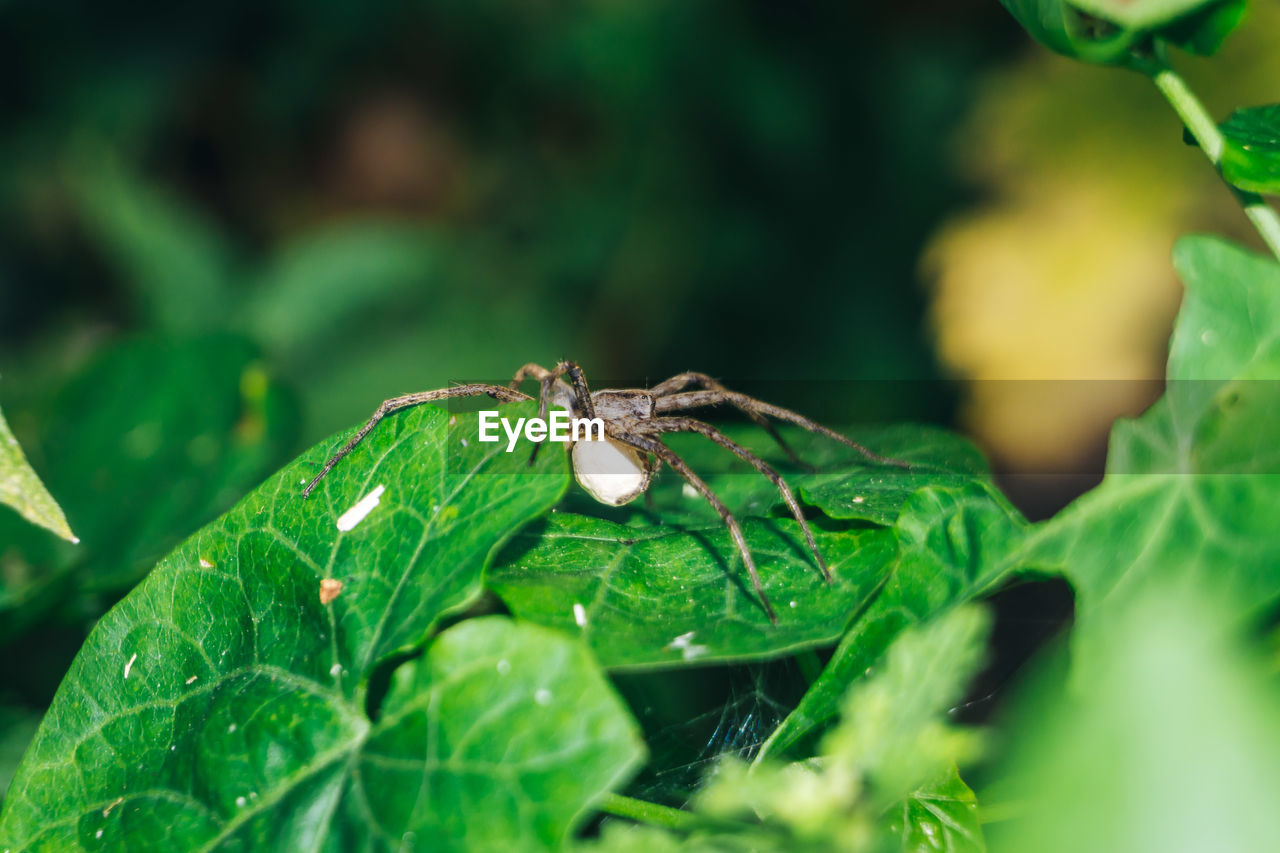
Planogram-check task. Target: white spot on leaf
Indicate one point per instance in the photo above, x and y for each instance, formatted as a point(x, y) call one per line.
point(192, 679)
point(205, 564)
point(685, 644)
point(504, 666)
point(579, 615)
point(543, 696)
point(129, 665)
point(349, 519)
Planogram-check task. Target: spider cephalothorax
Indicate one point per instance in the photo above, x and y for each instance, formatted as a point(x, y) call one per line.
point(618, 468)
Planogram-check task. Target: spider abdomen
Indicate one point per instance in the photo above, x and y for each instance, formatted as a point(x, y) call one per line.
point(611, 472)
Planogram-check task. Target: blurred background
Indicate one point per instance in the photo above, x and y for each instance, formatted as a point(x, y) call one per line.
point(228, 230)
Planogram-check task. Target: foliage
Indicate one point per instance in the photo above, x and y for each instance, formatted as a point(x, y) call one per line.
point(1116, 31)
point(888, 765)
point(20, 487)
point(448, 646)
point(1252, 158)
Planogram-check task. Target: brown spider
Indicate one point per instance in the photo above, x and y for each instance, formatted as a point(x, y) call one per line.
point(620, 468)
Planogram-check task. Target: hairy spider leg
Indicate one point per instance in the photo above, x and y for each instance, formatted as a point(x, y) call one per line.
point(547, 379)
point(667, 455)
point(661, 425)
point(497, 392)
point(701, 399)
point(682, 381)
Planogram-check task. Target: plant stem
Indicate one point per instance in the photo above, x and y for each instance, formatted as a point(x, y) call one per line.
point(810, 665)
point(1207, 134)
point(646, 812)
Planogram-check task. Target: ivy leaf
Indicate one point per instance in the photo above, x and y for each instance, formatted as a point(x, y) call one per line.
point(20, 487)
point(1141, 14)
point(1173, 746)
point(202, 423)
point(1190, 496)
point(839, 480)
point(1251, 160)
point(942, 815)
point(643, 596)
point(1106, 31)
point(1062, 28)
point(667, 586)
point(223, 703)
point(955, 544)
point(892, 739)
point(1203, 32)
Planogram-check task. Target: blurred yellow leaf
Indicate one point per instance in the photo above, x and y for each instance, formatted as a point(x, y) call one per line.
point(1056, 297)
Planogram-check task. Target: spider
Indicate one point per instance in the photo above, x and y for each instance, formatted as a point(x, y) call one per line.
point(620, 468)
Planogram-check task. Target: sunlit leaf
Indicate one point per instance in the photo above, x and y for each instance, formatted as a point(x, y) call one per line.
point(955, 544)
point(1192, 488)
point(225, 701)
point(20, 487)
point(1251, 160)
point(1172, 746)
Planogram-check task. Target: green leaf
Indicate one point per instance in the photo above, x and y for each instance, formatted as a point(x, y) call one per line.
point(1204, 32)
point(840, 481)
point(1191, 493)
point(942, 815)
point(856, 490)
point(1171, 746)
point(670, 588)
point(20, 487)
point(1062, 28)
point(1251, 159)
point(892, 745)
point(954, 545)
point(221, 703)
point(1107, 31)
point(643, 596)
point(202, 422)
point(1141, 14)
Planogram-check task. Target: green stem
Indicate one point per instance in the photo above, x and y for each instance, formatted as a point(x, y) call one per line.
point(810, 665)
point(646, 812)
point(1207, 134)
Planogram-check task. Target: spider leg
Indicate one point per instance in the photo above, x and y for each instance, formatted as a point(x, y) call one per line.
point(661, 425)
point(682, 381)
point(667, 455)
point(582, 393)
point(547, 379)
point(497, 392)
point(700, 399)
